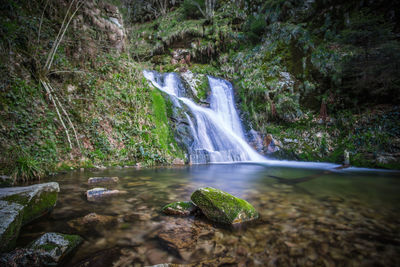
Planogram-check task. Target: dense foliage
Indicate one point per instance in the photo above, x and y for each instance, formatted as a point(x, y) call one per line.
point(313, 69)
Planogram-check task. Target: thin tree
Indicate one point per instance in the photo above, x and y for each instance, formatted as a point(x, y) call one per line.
point(43, 78)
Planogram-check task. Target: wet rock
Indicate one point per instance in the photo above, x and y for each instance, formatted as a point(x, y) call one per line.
point(10, 223)
point(222, 207)
point(6, 181)
point(99, 194)
point(155, 256)
point(53, 247)
point(91, 222)
point(37, 200)
point(183, 208)
point(103, 258)
point(178, 161)
point(103, 180)
point(23, 257)
point(179, 236)
point(137, 216)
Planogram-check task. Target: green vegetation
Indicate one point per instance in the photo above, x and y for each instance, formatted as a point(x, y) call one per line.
point(299, 69)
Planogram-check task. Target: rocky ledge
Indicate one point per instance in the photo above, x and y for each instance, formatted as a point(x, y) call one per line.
point(21, 205)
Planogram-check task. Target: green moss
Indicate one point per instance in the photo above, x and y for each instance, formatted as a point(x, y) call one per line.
point(74, 240)
point(35, 208)
point(222, 207)
point(202, 87)
point(179, 208)
point(9, 237)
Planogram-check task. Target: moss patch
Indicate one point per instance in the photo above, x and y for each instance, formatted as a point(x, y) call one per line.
point(179, 208)
point(36, 207)
point(222, 207)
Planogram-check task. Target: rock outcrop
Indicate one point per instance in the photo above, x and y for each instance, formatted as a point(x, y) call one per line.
point(21, 205)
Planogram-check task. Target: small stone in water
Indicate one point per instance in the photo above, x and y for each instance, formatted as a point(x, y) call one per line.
point(103, 180)
point(98, 194)
point(183, 208)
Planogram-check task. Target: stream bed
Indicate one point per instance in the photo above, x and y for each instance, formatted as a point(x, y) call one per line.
point(308, 217)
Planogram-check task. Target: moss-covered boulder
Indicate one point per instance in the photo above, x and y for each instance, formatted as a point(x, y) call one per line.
point(37, 200)
point(10, 223)
point(54, 246)
point(222, 207)
point(183, 208)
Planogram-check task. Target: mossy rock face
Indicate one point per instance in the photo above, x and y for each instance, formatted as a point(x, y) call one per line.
point(54, 246)
point(222, 207)
point(37, 200)
point(183, 208)
point(10, 223)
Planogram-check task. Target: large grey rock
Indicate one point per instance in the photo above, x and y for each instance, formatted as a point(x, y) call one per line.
point(37, 199)
point(10, 223)
point(222, 207)
point(53, 247)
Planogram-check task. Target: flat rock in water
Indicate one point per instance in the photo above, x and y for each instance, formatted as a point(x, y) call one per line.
point(103, 180)
point(99, 194)
point(91, 222)
point(53, 247)
point(183, 208)
point(10, 223)
point(222, 207)
point(37, 199)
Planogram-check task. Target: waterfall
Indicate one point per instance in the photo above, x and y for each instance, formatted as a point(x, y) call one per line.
point(217, 131)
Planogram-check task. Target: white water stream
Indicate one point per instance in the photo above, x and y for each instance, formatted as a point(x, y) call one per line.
point(217, 131)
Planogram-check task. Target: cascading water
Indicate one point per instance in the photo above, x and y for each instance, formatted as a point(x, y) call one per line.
point(217, 131)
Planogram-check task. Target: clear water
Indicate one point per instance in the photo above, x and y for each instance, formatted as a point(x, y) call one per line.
point(324, 218)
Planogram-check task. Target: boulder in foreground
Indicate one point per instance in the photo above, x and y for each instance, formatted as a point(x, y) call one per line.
point(37, 199)
point(222, 207)
point(183, 208)
point(54, 247)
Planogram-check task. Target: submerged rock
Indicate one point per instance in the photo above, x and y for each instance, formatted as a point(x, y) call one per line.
point(91, 222)
point(103, 180)
point(183, 208)
point(99, 194)
point(37, 200)
point(10, 223)
point(222, 207)
point(22, 257)
point(53, 247)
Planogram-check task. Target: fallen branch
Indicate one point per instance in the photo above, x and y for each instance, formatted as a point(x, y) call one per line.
point(48, 91)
